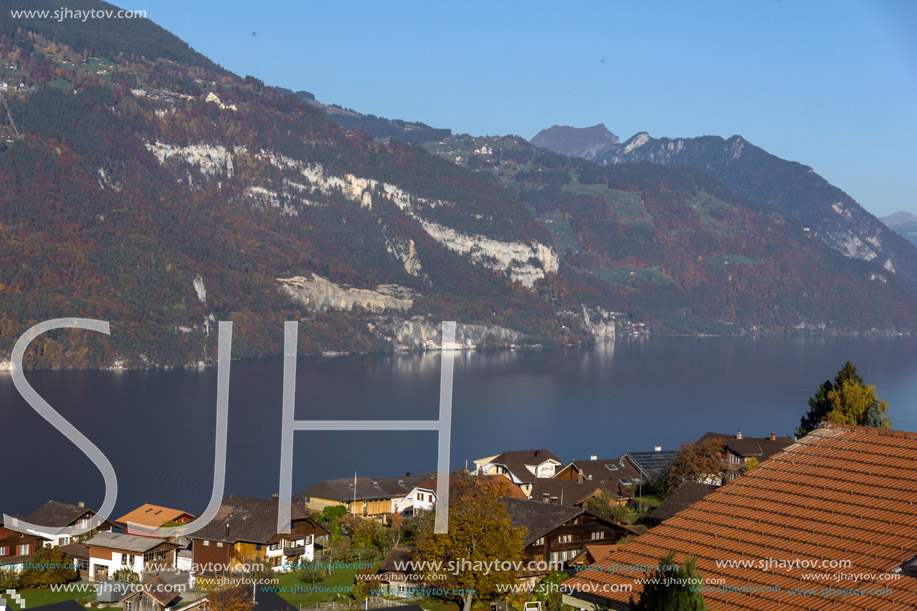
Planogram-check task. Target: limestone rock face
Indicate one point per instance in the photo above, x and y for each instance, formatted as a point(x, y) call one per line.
point(319, 294)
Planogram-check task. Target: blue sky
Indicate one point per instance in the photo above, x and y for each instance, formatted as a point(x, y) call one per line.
point(830, 84)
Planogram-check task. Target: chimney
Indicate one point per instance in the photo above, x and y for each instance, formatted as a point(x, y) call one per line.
point(593, 457)
point(275, 497)
point(579, 478)
point(657, 448)
point(545, 497)
point(773, 436)
point(227, 530)
point(739, 435)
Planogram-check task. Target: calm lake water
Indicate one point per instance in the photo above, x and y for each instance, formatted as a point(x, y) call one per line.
point(157, 428)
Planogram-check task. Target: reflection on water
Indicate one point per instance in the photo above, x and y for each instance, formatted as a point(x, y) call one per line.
point(157, 427)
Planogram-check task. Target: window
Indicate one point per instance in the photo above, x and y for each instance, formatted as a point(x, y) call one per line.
point(4, 550)
point(127, 559)
point(539, 541)
point(206, 543)
point(24, 550)
point(257, 547)
point(219, 544)
point(598, 535)
point(128, 605)
point(565, 539)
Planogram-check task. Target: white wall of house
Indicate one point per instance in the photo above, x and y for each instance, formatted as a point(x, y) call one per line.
point(119, 560)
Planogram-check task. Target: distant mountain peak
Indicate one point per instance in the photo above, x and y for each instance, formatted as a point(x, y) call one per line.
point(585, 142)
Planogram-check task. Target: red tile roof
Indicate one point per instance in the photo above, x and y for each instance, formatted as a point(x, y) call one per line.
point(840, 493)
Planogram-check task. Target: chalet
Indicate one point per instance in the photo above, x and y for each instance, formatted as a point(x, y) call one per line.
point(395, 579)
point(79, 556)
point(16, 548)
point(520, 467)
point(110, 552)
point(364, 496)
point(557, 534)
point(684, 496)
point(244, 531)
point(569, 492)
point(841, 493)
point(53, 516)
point(145, 521)
point(622, 476)
point(155, 595)
point(592, 554)
point(738, 450)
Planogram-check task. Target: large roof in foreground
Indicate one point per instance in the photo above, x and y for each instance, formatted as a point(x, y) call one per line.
point(840, 493)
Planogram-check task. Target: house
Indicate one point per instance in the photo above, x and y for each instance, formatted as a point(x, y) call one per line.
point(520, 467)
point(569, 492)
point(16, 548)
point(738, 450)
point(684, 496)
point(146, 520)
point(110, 552)
point(617, 475)
point(395, 578)
point(54, 515)
point(79, 556)
point(370, 497)
point(592, 554)
point(244, 532)
point(557, 534)
point(155, 595)
point(842, 494)
point(423, 496)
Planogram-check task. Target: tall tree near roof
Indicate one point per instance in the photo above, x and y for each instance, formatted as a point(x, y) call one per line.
point(845, 401)
point(676, 589)
point(480, 531)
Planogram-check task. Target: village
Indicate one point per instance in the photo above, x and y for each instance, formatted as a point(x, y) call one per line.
point(359, 542)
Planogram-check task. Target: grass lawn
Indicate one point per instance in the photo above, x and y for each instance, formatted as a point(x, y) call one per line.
point(339, 578)
point(44, 596)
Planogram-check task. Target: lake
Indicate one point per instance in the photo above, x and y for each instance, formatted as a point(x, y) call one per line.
point(157, 427)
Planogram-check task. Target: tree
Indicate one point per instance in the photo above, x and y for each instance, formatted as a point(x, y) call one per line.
point(126, 575)
point(673, 589)
point(480, 530)
point(845, 401)
point(695, 462)
point(221, 598)
point(49, 568)
point(9, 580)
point(548, 592)
point(751, 464)
point(605, 505)
point(310, 572)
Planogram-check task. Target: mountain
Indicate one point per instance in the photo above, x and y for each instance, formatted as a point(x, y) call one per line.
point(147, 186)
point(166, 194)
point(902, 223)
point(384, 130)
point(794, 189)
point(681, 252)
point(585, 142)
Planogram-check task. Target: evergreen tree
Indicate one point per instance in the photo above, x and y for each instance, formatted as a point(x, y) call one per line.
point(679, 593)
point(845, 401)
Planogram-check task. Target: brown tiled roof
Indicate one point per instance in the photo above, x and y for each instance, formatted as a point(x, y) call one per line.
point(245, 519)
point(568, 492)
point(686, 494)
point(158, 589)
point(599, 471)
point(57, 514)
point(516, 462)
point(840, 493)
point(761, 448)
point(152, 515)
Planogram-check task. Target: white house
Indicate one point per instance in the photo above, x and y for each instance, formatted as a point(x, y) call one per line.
point(521, 467)
point(111, 552)
point(54, 515)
